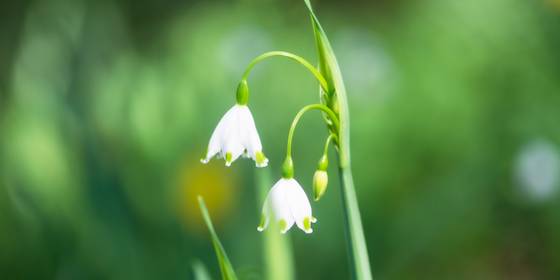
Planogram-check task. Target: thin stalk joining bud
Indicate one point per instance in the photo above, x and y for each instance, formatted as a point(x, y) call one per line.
point(327, 142)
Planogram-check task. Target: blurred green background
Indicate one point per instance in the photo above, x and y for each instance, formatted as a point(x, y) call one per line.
point(106, 108)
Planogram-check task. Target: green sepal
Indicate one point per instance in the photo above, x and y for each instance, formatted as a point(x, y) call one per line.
point(323, 163)
point(288, 168)
point(242, 95)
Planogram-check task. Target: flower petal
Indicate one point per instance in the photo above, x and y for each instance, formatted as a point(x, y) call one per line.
point(236, 135)
point(277, 206)
point(260, 159)
point(233, 149)
point(264, 222)
point(216, 140)
point(300, 206)
point(231, 140)
point(250, 137)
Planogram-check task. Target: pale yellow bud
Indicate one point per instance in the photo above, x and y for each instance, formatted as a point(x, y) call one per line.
point(320, 181)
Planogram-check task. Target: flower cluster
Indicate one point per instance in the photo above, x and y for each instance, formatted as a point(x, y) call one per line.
point(236, 135)
point(286, 203)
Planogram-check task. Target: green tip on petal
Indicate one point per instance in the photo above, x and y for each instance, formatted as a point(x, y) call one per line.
point(203, 159)
point(228, 158)
point(283, 225)
point(307, 225)
point(261, 159)
point(262, 223)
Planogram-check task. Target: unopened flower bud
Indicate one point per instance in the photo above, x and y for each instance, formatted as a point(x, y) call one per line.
point(320, 182)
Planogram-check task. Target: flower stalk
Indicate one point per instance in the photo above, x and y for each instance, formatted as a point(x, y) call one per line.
point(289, 55)
point(330, 114)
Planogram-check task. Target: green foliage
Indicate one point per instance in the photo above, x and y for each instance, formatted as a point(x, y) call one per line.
point(225, 265)
point(200, 272)
point(105, 105)
point(336, 97)
point(337, 100)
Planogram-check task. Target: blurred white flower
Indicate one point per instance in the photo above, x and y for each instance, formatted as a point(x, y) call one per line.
point(236, 135)
point(538, 169)
point(288, 204)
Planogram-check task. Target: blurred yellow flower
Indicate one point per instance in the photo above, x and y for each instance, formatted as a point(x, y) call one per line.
point(555, 4)
point(217, 186)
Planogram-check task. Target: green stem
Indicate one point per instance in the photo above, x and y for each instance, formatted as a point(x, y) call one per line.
point(327, 142)
point(298, 116)
point(297, 58)
point(359, 258)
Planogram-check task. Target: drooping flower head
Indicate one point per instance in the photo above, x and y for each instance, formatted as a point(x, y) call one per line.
point(236, 134)
point(287, 204)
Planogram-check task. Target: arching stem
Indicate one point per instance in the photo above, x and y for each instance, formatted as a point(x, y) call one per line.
point(292, 56)
point(327, 142)
point(321, 107)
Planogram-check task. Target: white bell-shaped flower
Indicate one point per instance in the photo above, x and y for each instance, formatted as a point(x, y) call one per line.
point(236, 135)
point(287, 204)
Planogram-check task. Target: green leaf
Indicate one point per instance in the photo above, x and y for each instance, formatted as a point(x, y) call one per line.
point(328, 66)
point(225, 265)
point(338, 101)
point(277, 249)
point(200, 272)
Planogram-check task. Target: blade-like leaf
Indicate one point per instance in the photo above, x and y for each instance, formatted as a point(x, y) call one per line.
point(359, 259)
point(328, 65)
point(199, 271)
point(225, 265)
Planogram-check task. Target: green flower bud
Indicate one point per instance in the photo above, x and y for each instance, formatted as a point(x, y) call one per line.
point(320, 182)
point(242, 93)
